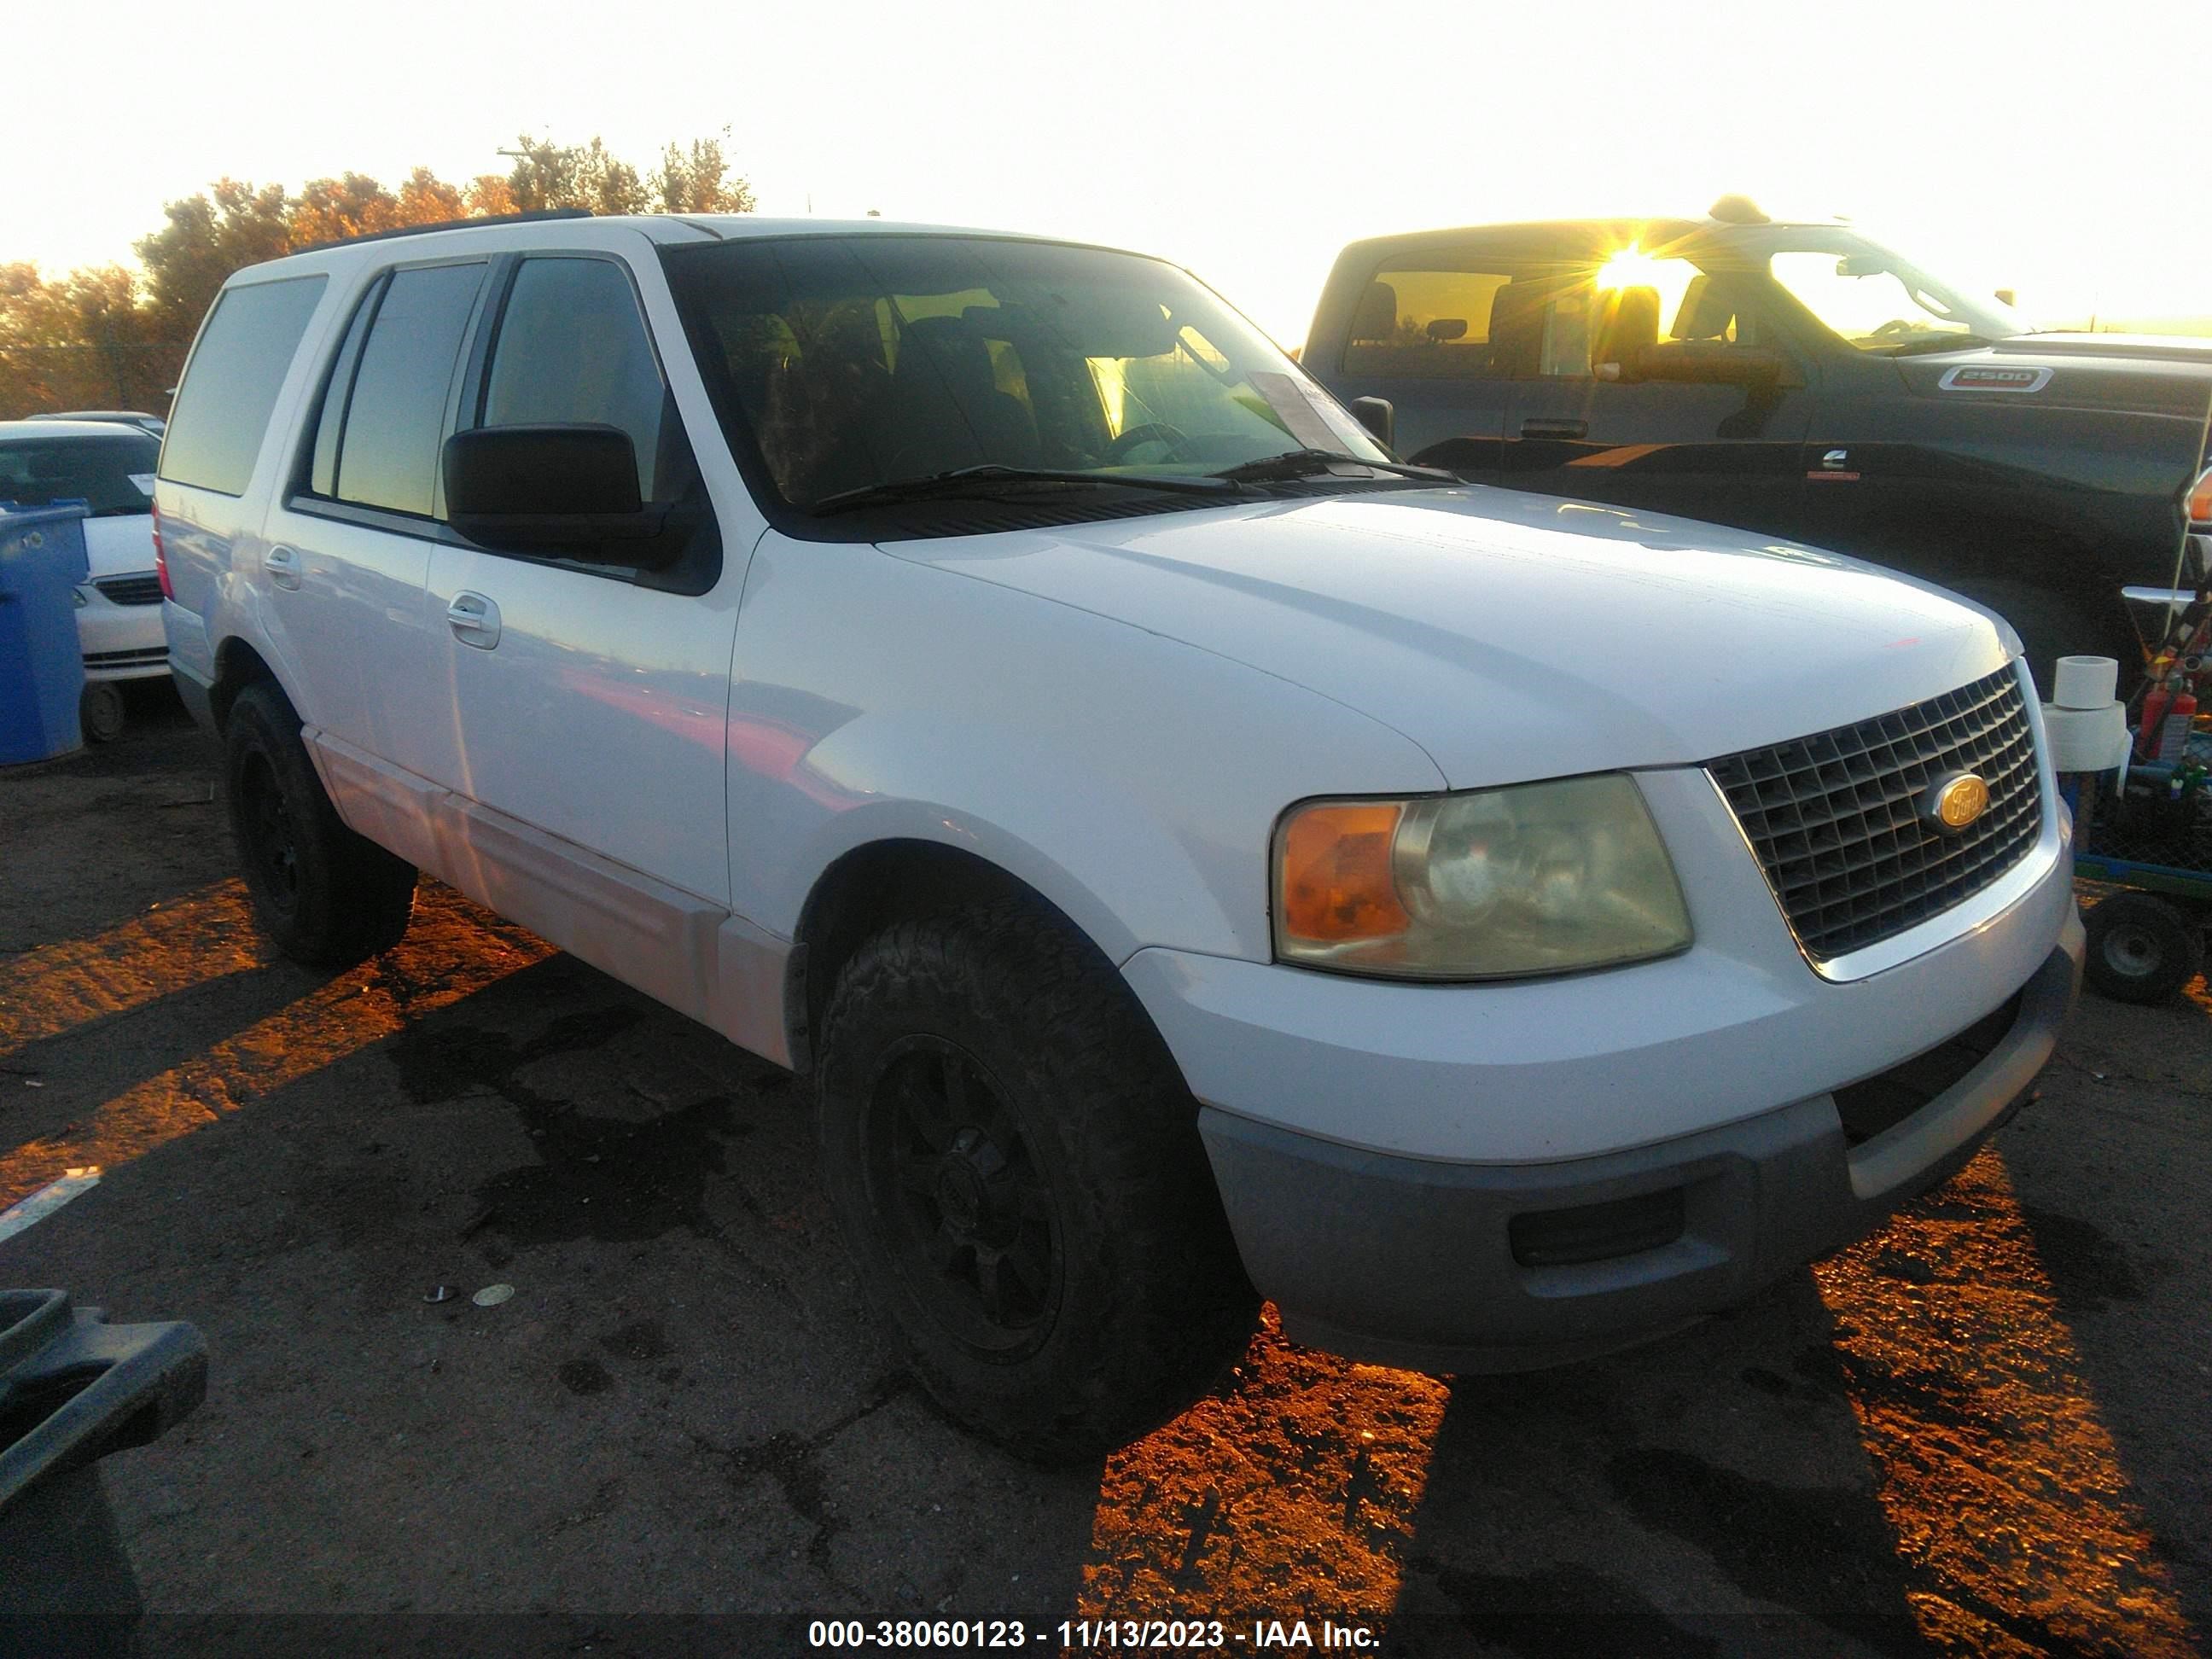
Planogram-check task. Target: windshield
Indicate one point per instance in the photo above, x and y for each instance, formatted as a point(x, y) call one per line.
point(114, 475)
point(847, 362)
point(1877, 302)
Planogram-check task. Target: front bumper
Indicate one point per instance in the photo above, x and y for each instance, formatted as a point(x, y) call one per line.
point(120, 642)
point(1470, 1267)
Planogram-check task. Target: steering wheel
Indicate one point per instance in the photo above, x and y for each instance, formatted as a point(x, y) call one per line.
point(1151, 432)
point(1894, 326)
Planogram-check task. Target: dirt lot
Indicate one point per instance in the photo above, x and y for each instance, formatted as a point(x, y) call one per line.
point(1987, 1430)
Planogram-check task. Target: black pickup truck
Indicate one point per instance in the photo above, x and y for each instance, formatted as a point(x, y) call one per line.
point(1793, 379)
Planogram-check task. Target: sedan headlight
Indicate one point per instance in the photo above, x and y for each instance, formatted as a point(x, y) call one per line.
point(1538, 878)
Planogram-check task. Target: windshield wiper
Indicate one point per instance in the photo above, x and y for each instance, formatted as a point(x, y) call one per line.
point(1311, 463)
point(981, 479)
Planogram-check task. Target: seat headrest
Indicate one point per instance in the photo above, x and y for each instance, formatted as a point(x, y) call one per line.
point(1376, 319)
point(1517, 313)
point(1710, 303)
point(948, 350)
point(1627, 322)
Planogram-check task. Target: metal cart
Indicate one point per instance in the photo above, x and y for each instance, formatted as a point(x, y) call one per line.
point(2150, 846)
point(2143, 835)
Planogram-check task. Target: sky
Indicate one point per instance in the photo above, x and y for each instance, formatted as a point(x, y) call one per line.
point(2058, 150)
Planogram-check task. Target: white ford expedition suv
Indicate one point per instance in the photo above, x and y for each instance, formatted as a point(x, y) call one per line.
point(1190, 853)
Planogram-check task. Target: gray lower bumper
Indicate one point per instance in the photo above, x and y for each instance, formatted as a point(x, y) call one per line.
point(1420, 1264)
point(195, 695)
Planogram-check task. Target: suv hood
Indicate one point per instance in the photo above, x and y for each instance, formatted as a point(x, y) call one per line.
point(1515, 637)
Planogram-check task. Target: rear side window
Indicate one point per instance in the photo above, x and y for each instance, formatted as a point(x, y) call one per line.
point(395, 412)
point(572, 348)
point(237, 367)
point(1424, 321)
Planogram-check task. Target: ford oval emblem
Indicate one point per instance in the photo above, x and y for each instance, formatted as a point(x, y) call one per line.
point(1953, 803)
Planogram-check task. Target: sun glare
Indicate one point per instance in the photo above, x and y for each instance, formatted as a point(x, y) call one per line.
point(1631, 267)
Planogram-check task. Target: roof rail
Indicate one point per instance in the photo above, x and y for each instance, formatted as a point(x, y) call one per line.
point(531, 217)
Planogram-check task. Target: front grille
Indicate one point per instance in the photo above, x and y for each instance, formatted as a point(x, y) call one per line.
point(130, 590)
point(126, 658)
point(1835, 817)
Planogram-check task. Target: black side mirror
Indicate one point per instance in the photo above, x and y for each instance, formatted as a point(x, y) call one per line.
point(534, 489)
point(1379, 416)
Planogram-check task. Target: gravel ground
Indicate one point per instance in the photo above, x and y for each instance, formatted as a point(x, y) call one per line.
point(1984, 1430)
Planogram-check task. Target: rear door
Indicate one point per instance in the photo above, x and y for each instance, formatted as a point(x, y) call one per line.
point(349, 542)
point(587, 701)
point(1443, 330)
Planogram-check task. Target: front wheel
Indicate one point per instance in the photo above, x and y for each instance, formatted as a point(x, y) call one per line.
point(327, 896)
point(1017, 1171)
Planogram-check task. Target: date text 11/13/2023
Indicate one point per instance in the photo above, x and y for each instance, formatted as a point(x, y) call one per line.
point(1092, 1635)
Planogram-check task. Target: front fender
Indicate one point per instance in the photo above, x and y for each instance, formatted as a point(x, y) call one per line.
point(1131, 780)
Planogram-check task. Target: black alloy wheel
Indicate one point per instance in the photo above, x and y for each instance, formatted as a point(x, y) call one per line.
point(958, 1194)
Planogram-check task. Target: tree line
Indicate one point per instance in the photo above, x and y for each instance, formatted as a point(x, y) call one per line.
point(108, 336)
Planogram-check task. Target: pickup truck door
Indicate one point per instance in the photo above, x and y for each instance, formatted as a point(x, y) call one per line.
point(1441, 330)
point(1731, 453)
point(588, 702)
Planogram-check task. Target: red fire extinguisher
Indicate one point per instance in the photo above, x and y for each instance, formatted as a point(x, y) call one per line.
point(2180, 717)
point(2155, 700)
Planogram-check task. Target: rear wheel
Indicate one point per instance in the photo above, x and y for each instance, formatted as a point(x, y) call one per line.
point(2141, 948)
point(1016, 1167)
point(327, 896)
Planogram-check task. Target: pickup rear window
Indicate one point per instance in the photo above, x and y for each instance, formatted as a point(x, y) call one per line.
point(230, 386)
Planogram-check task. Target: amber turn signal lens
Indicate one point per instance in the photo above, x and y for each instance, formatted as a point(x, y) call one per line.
point(1336, 874)
point(2200, 498)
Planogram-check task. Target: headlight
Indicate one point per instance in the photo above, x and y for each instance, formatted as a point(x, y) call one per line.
point(81, 598)
point(1539, 878)
point(2200, 498)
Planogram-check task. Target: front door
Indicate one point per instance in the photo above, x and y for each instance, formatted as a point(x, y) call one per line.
point(590, 701)
point(1731, 452)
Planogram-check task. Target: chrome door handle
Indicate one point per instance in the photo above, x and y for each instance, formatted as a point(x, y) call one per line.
point(474, 620)
point(283, 565)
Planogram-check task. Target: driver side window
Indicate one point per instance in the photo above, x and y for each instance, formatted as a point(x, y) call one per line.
point(572, 348)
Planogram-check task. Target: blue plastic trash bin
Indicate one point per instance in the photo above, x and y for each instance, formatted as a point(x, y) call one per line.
point(41, 667)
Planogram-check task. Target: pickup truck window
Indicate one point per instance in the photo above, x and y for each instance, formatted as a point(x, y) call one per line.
point(394, 419)
point(838, 363)
point(1426, 323)
point(572, 348)
point(1874, 308)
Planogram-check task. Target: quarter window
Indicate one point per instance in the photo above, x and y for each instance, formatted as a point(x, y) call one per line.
point(395, 418)
point(572, 349)
point(230, 389)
